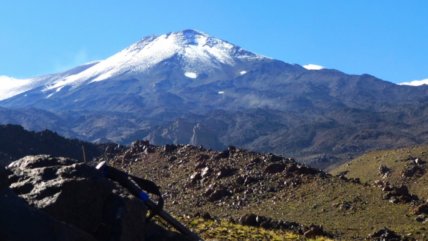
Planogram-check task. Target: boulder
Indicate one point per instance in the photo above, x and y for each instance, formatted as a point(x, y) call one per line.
point(249, 220)
point(384, 234)
point(314, 231)
point(223, 154)
point(21, 222)
point(413, 170)
point(422, 218)
point(384, 170)
point(421, 209)
point(77, 194)
point(33, 224)
point(169, 148)
point(226, 172)
point(217, 193)
point(274, 158)
point(275, 168)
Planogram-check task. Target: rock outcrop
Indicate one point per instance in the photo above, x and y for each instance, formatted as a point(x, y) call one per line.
point(73, 193)
point(21, 222)
point(385, 234)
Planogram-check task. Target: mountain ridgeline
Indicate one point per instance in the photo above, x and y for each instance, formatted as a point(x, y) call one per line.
point(16, 142)
point(189, 87)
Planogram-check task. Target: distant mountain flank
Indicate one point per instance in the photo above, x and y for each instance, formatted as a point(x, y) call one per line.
point(189, 87)
point(16, 142)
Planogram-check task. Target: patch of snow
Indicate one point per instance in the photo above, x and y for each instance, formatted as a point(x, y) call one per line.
point(242, 72)
point(221, 92)
point(415, 82)
point(49, 96)
point(191, 75)
point(313, 67)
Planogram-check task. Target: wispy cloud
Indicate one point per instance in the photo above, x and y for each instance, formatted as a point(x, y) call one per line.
point(78, 58)
point(416, 82)
point(313, 67)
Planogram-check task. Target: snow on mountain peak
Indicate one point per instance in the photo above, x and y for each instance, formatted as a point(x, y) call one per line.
point(197, 51)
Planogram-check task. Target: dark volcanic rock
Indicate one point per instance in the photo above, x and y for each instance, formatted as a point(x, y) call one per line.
point(413, 170)
point(421, 209)
point(75, 193)
point(314, 231)
point(275, 168)
point(226, 172)
point(385, 234)
point(400, 195)
point(396, 194)
point(20, 222)
point(217, 194)
point(169, 148)
point(384, 170)
point(223, 154)
point(249, 220)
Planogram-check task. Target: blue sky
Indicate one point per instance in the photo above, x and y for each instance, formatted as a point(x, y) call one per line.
point(384, 38)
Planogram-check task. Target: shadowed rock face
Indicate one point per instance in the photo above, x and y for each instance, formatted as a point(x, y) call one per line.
point(20, 222)
point(4, 183)
point(77, 194)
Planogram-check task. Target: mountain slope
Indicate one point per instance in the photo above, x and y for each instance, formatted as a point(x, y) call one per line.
point(404, 166)
point(234, 183)
point(189, 87)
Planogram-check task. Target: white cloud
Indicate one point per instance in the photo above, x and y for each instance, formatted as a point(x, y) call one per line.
point(313, 67)
point(11, 86)
point(416, 82)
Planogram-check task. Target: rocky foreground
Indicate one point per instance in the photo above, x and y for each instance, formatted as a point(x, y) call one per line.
point(48, 198)
point(230, 195)
point(271, 191)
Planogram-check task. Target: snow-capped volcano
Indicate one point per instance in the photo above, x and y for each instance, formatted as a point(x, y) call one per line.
point(196, 51)
point(188, 87)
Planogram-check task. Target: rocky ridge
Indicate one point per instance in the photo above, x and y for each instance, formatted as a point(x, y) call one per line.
point(16, 142)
